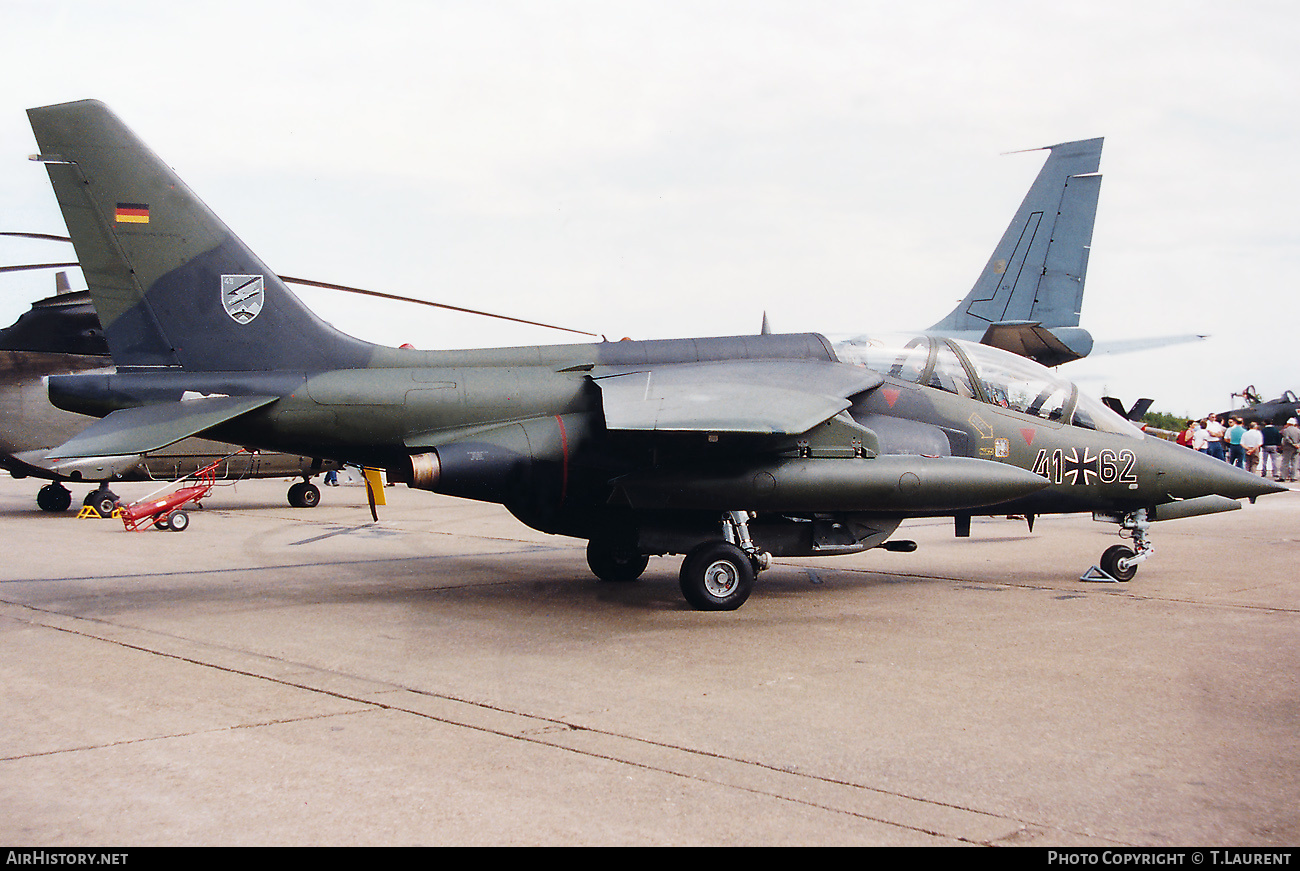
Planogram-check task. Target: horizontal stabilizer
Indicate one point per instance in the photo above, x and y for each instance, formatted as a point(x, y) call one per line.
point(1039, 343)
point(770, 397)
point(1135, 414)
point(1146, 343)
point(150, 427)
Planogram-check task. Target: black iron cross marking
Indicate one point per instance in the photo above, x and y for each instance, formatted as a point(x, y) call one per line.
point(1087, 467)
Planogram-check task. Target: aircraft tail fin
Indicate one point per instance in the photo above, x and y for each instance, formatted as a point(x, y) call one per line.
point(173, 286)
point(1037, 271)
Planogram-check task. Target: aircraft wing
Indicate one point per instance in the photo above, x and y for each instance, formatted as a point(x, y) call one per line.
point(150, 427)
point(769, 397)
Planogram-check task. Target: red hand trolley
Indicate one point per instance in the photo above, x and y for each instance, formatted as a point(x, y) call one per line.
point(166, 512)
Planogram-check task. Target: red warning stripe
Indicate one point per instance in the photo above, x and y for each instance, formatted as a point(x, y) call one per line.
point(564, 465)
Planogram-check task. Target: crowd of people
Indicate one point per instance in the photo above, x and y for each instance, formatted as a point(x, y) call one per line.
point(1261, 448)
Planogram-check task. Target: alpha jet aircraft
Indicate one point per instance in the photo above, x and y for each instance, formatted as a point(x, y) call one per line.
point(1027, 300)
point(727, 450)
point(1276, 411)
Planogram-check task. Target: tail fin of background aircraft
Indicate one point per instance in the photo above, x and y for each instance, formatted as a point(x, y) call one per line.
point(172, 284)
point(1037, 271)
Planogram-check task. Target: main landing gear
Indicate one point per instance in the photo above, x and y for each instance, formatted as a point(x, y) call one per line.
point(102, 499)
point(715, 576)
point(304, 494)
point(611, 563)
point(53, 497)
point(56, 498)
point(719, 575)
point(1120, 562)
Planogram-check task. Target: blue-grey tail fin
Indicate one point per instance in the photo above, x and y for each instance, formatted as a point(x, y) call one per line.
point(1037, 271)
point(173, 286)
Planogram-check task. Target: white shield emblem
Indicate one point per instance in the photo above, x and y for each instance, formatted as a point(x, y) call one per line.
point(242, 296)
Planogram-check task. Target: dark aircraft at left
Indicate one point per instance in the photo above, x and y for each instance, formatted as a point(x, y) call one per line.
point(61, 335)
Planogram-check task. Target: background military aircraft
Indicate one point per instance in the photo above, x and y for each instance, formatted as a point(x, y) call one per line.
point(1276, 411)
point(1029, 296)
point(729, 450)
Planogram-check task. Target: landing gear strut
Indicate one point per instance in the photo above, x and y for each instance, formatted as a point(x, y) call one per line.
point(719, 575)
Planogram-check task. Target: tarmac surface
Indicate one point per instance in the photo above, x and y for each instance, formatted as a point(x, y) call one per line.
point(448, 676)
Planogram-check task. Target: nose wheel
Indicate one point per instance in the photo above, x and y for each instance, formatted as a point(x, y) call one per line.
point(1117, 562)
point(1120, 562)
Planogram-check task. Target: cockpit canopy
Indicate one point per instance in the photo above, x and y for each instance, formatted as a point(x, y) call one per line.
point(985, 374)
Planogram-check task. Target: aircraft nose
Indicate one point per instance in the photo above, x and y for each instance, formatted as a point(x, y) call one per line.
point(1189, 474)
point(1247, 485)
point(1266, 486)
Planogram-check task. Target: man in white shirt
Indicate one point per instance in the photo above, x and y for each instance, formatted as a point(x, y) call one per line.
point(1215, 430)
point(1252, 441)
point(1200, 437)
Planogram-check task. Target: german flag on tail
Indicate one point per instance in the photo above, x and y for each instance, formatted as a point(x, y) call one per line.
point(132, 213)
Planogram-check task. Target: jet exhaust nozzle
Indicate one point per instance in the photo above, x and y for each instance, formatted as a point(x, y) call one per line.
point(426, 471)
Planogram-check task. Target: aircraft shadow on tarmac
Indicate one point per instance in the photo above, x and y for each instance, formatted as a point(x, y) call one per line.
point(555, 580)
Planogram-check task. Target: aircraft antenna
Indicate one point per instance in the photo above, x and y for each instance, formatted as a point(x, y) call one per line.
point(307, 282)
point(442, 305)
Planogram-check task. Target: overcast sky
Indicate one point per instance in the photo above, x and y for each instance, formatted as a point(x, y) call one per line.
point(658, 169)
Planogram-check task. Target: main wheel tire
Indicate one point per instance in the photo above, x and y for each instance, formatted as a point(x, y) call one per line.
point(53, 497)
point(1110, 562)
point(717, 576)
point(613, 564)
point(304, 494)
point(104, 502)
point(178, 521)
point(310, 495)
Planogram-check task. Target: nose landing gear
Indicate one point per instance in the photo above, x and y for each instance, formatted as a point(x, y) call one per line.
point(1120, 562)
